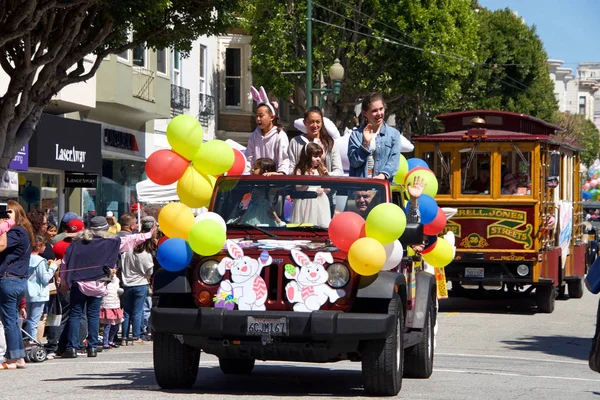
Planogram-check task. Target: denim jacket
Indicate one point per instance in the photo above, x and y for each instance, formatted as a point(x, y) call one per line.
point(387, 155)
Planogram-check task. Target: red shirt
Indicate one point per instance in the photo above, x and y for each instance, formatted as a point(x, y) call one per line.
point(60, 248)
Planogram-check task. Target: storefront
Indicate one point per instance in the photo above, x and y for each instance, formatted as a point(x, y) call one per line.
point(59, 148)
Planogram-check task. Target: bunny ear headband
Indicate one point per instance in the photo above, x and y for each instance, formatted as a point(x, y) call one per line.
point(261, 98)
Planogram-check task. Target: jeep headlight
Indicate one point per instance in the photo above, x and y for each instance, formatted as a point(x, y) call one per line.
point(339, 275)
point(209, 273)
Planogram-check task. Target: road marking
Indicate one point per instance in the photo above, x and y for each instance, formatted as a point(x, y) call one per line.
point(451, 314)
point(120, 362)
point(548, 360)
point(457, 371)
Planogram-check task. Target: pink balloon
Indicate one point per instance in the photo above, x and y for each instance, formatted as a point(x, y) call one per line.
point(594, 183)
point(346, 228)
point(586, 186)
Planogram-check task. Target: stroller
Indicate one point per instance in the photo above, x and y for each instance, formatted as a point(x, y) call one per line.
point(36, 353)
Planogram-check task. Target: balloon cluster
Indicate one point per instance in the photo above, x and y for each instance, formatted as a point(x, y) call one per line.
point(195, 167)
point(372, 244)
point(591, 187)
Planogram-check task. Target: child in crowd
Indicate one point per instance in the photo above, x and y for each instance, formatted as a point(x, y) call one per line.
point(111, 314)
point(40, 273)
point(268, 139)
point(316, 210)
point(260, 209)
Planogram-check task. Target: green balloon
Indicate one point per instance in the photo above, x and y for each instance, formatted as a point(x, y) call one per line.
point(184, 134)
point(385, 223)
point(215, 157)
point(207, 237)
point(402, 171)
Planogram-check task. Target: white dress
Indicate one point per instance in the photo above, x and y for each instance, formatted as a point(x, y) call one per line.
point(312, 211)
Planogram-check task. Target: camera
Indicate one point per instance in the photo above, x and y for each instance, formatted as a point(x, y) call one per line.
point(4, 211)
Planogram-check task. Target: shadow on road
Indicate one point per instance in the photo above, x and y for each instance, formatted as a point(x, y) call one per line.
point(566, 346)
point(277, 380)
point(522, 306)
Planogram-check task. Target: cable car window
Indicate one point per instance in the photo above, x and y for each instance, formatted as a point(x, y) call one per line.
point(515, 172)
point(475, 171)
point(439, 162)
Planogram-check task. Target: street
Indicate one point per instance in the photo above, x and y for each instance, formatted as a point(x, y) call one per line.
point(485, 350)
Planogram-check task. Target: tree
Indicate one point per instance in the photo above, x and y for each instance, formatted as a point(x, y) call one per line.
point(384, 45)
point(43, 44)
point(582, 131)
point(513, 74)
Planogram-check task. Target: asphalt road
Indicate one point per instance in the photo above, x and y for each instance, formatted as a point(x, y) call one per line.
point(485, 350)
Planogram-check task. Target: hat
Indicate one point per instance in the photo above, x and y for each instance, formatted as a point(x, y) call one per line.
point(509, 179)
point(135, 207)
point(110, 214)
point(98, 223)
point(60, 248)
point(74, 227)
point(148, 223)
point(484, 167)
point(68, 217)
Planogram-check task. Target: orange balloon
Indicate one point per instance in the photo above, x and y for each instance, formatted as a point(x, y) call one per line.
point(345, 228)
point(165, 167)
point(239, 163)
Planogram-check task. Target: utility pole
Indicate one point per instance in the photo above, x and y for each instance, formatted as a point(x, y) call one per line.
point(309, 99)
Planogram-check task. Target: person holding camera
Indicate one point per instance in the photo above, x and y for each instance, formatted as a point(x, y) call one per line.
point(15, 251)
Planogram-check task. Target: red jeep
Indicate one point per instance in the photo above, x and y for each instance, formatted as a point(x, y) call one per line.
point(282, 291)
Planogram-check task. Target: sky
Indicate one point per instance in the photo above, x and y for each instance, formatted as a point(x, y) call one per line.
point(569, 29)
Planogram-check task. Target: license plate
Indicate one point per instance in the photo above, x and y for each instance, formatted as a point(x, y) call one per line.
point(474, 273)
point(258, 326)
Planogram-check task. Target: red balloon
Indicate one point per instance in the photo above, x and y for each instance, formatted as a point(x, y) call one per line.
point(346, 228)
point(163, 239)
point(164, 167)
point(239, 163)
point(437, 225)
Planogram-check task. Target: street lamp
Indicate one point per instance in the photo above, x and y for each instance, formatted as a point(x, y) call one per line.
point(336, 74)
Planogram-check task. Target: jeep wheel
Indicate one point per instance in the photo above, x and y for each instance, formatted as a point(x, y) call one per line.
point(418, 360)
point(175, 363)
point(382, 359)
point(236, 365)
point(545, 296)
point(575, 288)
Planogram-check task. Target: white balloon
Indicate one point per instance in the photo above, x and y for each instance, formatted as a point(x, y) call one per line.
point(405, 145)
point(393, 255)
point(342, 146)
point(327, 123)
point(214, 217)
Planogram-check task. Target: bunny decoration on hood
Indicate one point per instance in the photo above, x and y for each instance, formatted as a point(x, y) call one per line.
point(261, 98)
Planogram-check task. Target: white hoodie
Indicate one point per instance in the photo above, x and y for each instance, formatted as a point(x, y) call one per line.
point(273, 145)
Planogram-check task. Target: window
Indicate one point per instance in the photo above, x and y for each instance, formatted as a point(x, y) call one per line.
point(124, 55)
point(202, 72)
point(515, 172)
point(475, 171)
point(161, 61)
point(176, 78)
point(139, 54)
point(440, 165)
point(582, 105)
point(233, 77)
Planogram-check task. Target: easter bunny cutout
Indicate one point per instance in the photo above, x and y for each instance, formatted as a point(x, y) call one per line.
point(246, 286)
point(260, 97)
point(308, 288)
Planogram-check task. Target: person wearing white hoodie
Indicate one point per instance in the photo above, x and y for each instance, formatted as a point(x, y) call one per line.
point(268, 141)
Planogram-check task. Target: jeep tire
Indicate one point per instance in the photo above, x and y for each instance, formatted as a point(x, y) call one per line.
point(418, 360)
point(175, 363)
point(236, 365)
point(383, 359)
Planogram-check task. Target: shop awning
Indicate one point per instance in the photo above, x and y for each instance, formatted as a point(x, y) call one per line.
point(150, 192)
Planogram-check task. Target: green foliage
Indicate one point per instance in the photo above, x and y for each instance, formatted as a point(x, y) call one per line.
point(582, 131)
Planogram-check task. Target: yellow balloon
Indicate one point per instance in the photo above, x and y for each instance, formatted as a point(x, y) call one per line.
point(441, 255)
point(431, 183)
point(212, 180)
point(402, 171)
point(194, 189)
point(366, 256)
point(176, 220)
point(207, 237)
point(386, 222)
point(22, 180)
point(184, 134)
point(214, 157)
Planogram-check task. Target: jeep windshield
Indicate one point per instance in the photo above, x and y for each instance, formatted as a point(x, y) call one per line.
point(294, 202)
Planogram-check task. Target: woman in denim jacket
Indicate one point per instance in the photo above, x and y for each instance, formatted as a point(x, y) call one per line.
point(374, 148)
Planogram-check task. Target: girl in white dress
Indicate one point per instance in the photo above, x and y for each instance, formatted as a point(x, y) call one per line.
point(315, 211)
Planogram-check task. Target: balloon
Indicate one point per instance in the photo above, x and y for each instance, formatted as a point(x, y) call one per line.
point(184, 134)
point(194, 189)
point(437, 225)
point(214, 157)
point(416, 163)
point(345, 228)
point(207, 237)
point(174, 254)
point(162, 240)
point(586, 186)
point(164, 167)
point(366, 256)
point(393, 255)
point(386, 222)
point(212, 216)
point(428, 208)
point(176, 220)
point(31, 194)
point(239, 163)
point(402, 171)
point(440, 255)
point(429, 179)
point(594, 183)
